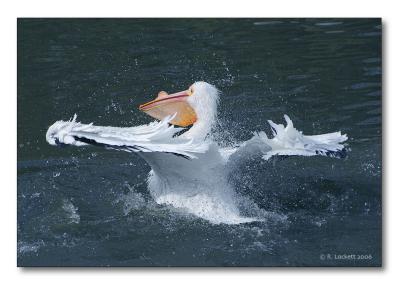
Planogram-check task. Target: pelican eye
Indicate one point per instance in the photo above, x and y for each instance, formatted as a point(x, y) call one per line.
point(190, 91)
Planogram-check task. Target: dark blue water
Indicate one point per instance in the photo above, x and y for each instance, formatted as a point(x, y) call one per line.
point(91, 207)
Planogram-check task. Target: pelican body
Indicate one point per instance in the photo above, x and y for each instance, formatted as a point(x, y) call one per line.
point(190, 171)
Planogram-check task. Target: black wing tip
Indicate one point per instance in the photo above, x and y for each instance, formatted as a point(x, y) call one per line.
point(60, 144)
point(180, 155)
point(340, 154)
point(122, 147)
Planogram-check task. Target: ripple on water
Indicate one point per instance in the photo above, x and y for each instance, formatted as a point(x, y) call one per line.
point(325, 24)
point(334, 32)
point(71, 211)
point(364, 85)
point(131, 201)
point(29, 247)
point(372, 60)
point(267, 23)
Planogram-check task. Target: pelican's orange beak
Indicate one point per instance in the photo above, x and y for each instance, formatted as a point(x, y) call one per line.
point(168, 104)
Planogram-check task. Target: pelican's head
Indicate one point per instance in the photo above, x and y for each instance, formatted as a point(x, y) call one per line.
point(197, 104)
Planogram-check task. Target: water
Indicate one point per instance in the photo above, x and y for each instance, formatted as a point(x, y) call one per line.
point(89, 206)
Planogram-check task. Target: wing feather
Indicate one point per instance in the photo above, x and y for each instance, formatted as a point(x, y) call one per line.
point(153, 137)
point(288, 141)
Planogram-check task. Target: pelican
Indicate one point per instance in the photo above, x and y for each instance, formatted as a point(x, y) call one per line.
point(189, 171)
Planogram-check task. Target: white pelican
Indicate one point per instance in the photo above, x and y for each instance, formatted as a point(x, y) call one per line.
point(190, 171)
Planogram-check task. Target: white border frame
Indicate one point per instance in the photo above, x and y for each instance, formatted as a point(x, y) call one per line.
point(204, 8)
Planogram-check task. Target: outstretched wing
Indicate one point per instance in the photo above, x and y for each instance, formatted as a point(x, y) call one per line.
point(288, 141)
point(153, 137)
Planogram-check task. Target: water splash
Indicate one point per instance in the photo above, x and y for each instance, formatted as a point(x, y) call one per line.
point(71, 211)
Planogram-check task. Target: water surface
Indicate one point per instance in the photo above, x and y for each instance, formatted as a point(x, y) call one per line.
point(89, 206)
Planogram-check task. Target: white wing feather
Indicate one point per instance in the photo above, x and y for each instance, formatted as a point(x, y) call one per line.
point(153, 137)
point(288, 141)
